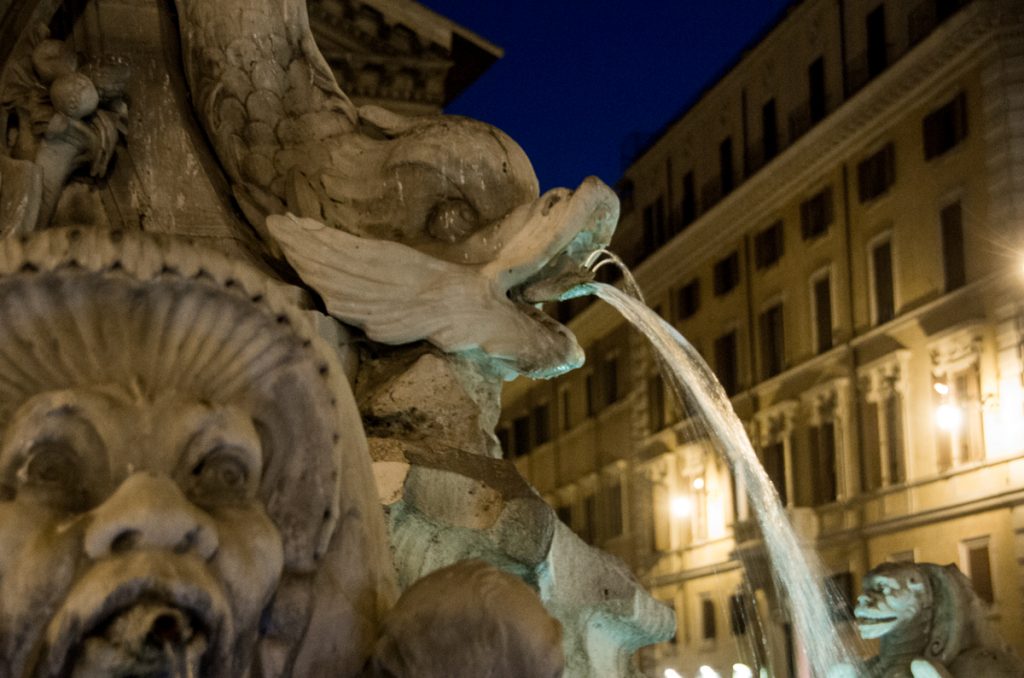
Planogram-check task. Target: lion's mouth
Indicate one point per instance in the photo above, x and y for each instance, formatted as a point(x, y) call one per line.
point(150, 638)
point(874, 623)
point(143, 627)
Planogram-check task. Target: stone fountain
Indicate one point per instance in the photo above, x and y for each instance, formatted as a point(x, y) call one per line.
point(251, 354)
point(252, 341)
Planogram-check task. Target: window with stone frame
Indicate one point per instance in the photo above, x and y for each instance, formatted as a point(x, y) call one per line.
point(977, 565)
point(612, 500)
point(883, 290)
point(656, 419)
point(883, 429)
point(821, 311)
point(958, 416)
point(954, 264)
point(774, 436)
point(708, 624)
point(771, 328)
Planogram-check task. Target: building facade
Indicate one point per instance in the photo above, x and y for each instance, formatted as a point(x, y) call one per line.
point(398, 54)
point(837, 225)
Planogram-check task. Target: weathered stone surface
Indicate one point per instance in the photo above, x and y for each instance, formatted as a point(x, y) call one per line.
point(227, 524)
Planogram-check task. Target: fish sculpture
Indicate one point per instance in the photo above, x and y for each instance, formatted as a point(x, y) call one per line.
point(412, 228)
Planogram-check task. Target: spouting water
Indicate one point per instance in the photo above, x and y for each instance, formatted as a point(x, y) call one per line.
point(798, 576)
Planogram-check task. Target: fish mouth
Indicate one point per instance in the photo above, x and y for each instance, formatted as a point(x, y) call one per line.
point(580, 224)
point(874, 623)
point(146, 625)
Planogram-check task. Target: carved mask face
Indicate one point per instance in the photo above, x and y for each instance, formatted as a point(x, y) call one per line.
point(892, 596)
point(132, 539)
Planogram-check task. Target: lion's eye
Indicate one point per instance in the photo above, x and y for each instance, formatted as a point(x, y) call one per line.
point(221, 474)
point(50, 464)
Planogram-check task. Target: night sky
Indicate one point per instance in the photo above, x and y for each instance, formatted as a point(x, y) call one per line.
point(583, 81)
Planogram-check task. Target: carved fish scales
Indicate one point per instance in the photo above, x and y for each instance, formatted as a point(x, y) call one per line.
point(291, 140)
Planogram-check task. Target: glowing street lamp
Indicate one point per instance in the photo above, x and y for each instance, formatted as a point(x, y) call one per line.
point(949, 417)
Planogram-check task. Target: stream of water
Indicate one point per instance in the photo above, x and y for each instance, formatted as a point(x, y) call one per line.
point(798, 577)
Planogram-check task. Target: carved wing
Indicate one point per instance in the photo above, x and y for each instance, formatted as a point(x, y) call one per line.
point(399, 295)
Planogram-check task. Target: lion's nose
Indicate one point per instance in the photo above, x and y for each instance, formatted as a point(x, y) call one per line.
point(149, 512)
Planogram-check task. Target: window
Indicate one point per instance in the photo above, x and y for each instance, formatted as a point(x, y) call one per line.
point(655, 228)
point(707, 617)
point(589, 531)
point(737, 615)
point(688, 299)
point(772, 341)
point(816, 87)
point(953, 265)
point(839, 588)
point(726, 367)
point(960, 437)
point(689, 211)
point(769, 130)
point(566, 409)
point(979, 568)
point(878, 50)
point(892, 411)
point(775, 466)
point(822, 311)
point(883, 293)
point(725, 165)
point(520, 436)
point(945, 127)
point(876, 174)
point(727, 273)
point(591, 395)
point(816, 214)
point(610, 380)
point(655, 403)
point(613, 509)
point(768, 246)
point(871, 464)
point(901, 557)
point(541, 424)
point(823, 463)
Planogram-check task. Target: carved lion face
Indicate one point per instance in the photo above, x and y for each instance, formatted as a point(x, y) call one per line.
point(893, 596)
point(132, 539)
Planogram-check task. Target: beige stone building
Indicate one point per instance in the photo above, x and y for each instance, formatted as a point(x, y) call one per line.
point(836, 225)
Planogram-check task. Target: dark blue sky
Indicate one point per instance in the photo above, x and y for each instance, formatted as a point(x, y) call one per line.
point(580, 77)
